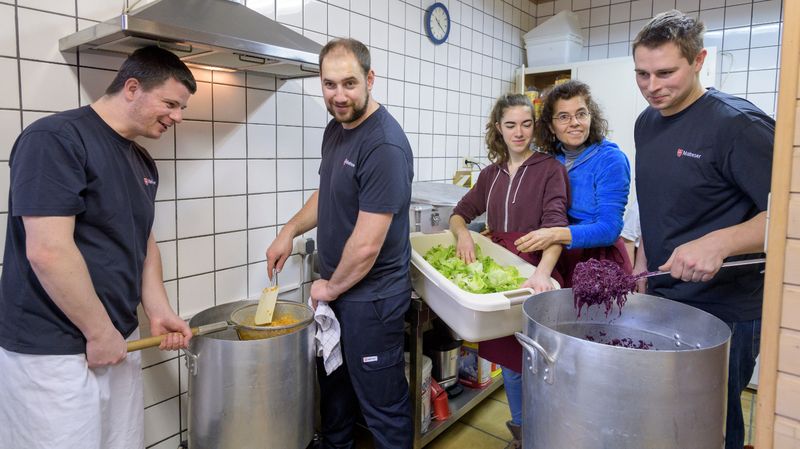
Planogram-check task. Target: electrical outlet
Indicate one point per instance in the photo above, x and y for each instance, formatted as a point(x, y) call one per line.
point(472, 164)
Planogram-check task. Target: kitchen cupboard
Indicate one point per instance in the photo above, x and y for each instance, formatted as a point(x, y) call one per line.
point(613, 87)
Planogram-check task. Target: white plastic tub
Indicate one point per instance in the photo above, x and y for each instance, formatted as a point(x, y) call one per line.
point(474, 317)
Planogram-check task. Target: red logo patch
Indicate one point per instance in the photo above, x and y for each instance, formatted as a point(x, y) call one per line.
point(680, 152)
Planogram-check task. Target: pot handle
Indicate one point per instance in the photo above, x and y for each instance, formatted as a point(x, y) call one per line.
point(532, 347)
point(191, 361)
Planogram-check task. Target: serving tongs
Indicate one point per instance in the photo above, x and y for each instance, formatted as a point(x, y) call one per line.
point(735, 263)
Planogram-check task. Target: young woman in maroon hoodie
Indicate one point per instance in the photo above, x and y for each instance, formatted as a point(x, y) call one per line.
point(521, 191)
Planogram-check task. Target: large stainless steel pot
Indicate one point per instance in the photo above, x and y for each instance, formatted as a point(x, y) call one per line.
point(581, 394)
point(255, 393)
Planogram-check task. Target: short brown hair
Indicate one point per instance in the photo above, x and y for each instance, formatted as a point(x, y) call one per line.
point(152, 66)
point(545, 138)
point(358, 49)
point(676, 27)
point(498, 150)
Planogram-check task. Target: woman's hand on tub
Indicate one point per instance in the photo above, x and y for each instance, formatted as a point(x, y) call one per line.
point(539, 282)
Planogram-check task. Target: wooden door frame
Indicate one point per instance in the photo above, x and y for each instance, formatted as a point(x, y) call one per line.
point(777, 224)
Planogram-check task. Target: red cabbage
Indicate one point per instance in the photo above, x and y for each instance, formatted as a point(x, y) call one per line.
point(625, 342)
point(600, 282)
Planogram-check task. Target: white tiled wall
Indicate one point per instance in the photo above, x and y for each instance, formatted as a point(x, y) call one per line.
point(745, 32)
point(247, 154)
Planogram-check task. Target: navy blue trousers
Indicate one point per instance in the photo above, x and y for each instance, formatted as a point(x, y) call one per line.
point(745, 343)
point(372, 378)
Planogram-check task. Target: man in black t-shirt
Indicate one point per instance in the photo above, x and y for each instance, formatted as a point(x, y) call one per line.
point(361, 215)
point(703, 167)
point(80, 257)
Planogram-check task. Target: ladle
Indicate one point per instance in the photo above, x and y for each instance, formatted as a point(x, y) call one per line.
point(604, 282)
point(241, 319)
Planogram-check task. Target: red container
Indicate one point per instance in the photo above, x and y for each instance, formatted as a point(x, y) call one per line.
point(441, 405)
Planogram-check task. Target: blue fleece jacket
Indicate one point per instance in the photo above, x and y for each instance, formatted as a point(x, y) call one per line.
point(599, 182)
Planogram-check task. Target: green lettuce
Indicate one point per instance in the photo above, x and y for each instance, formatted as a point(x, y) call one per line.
point(482, 276)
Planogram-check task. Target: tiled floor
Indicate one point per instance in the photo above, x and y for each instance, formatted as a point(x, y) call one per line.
point(484, 427)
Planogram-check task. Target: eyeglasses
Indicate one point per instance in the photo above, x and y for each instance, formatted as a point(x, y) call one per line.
point(565, 119)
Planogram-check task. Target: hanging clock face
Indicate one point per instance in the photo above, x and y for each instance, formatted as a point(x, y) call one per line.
point(437, 23)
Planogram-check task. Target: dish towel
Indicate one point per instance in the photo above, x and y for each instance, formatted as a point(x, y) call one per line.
point(327, 338)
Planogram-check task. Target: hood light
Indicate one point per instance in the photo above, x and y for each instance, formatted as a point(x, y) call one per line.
point(209, 67)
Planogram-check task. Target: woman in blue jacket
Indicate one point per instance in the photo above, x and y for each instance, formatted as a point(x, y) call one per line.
point(572, 128)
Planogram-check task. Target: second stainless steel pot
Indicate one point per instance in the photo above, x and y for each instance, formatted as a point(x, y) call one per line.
point(581, 394)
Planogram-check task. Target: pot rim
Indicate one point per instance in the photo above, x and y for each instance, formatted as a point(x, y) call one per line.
point(686, 348)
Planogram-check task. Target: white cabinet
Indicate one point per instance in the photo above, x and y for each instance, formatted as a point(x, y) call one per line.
point(613, 86)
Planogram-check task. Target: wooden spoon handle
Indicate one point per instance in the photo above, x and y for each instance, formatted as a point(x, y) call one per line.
point(150, 342)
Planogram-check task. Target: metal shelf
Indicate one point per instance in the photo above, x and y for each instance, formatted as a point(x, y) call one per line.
point(419, 314)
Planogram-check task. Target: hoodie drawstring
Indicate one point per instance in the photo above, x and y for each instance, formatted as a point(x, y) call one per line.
point(490, 195)
point(524, 169)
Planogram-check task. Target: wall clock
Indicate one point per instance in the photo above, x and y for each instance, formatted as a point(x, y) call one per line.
point(437, 23)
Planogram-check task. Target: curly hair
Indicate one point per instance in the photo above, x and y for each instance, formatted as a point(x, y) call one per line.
point(498, 150)
point(676, 27)
point(544, 136)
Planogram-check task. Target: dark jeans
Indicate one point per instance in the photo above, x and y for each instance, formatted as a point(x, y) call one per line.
point(745, 343)
point(372, 378)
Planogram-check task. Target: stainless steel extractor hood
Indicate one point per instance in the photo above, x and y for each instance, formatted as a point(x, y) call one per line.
point(207, 33)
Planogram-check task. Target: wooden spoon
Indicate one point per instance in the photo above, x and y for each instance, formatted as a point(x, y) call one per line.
point(266, 303)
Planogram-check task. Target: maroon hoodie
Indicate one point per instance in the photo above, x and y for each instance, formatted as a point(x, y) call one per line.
point(536, 198)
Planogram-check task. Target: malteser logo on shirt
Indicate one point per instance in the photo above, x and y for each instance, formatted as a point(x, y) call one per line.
point(681, 153)
point(148, 181)
point(347, 162)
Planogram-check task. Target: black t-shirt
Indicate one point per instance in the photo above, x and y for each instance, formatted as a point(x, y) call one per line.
point(74, 164)
point(368, 169)
point(705, 168)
